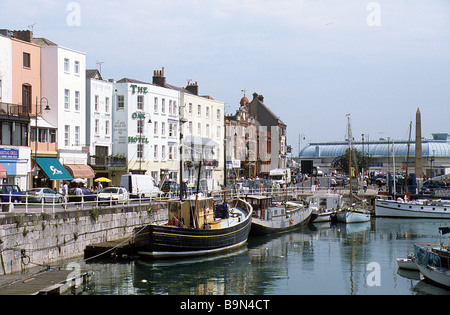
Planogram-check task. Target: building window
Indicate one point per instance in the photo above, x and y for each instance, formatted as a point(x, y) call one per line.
point(170, 107)
point(218, 132)
point(155, 128)
point(97, 127)
point(140, 126)
point(163, 106)
point(163, 129)
point(107, 105)
point(66, 135)
point(26, 60)
point(190, 108)
point(199, 110)
point(218, 114)
point(26, 96)
point(171, 134)
point(107, 129)
point(140, 151)
point(77, 67)
point(77, 135)
point(66, 99)
point(96, 103)
point(140, 102)
point(207, 131)
point(120, 102)
point(163, 152)
point(174, 107)
point(190, 128)
point(66, 65)
point(6, 133)
point(77, 100)
point(199, 129)
point(155, 152)
point(155, 106)
point(52, 136)
point(207, 112)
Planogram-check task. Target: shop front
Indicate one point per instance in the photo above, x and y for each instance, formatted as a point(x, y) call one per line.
point(49, 170)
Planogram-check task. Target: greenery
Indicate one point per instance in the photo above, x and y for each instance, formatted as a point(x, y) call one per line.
point(362, 161)
point(95, 213)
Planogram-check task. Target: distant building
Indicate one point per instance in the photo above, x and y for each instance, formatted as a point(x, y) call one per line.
point(435, 152)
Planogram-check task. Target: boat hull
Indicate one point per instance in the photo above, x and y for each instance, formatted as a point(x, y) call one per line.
point(294, 220)
point(435, 275)
point(407, 263)
point(352, 217)
point(161, 241)
point(390, 208)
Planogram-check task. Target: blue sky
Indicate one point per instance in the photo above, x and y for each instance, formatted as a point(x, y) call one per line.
point(314, 61)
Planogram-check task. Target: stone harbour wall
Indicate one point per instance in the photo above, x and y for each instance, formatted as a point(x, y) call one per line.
point(28, 240)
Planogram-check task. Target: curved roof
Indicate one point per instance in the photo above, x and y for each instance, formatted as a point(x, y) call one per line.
point(376, 148)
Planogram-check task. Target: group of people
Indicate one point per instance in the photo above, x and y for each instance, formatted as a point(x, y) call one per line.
point(65, 186)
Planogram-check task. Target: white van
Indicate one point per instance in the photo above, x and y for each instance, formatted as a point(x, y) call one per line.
point(140, 185)
point(281, 176)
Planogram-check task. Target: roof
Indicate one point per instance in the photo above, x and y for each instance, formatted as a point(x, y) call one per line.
point(430, 147)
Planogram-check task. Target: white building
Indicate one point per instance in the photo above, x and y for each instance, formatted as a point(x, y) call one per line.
point(203, 137)
point(145, 127)
point(99, 122)
point(64, 85)
point(5, 70)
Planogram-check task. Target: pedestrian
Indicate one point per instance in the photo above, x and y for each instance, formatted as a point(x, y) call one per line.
point(78, 194)
point(364, 184)
point(333, 183)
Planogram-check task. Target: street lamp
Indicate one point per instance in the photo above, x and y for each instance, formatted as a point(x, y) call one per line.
point(182, 122)
point(47, 108)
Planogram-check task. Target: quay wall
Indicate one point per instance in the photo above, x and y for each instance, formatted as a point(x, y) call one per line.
point(28, 240)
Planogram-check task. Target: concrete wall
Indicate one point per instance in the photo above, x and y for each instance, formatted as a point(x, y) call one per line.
point(51, 237)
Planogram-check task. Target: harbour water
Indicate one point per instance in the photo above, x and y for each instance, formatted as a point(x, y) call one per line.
point(352, 259)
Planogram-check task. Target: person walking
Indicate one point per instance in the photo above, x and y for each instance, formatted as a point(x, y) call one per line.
point(78, 194)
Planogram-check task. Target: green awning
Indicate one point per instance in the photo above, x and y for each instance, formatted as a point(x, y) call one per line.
point(53, 169)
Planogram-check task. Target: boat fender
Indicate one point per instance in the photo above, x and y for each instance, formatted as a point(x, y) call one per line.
point(291, 221)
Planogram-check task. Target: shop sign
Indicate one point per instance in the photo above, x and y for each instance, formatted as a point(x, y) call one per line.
point(7, 153)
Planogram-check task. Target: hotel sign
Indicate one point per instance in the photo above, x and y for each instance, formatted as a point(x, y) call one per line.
point(139, 89)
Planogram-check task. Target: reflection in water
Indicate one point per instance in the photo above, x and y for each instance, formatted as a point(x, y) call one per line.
point(320, 259)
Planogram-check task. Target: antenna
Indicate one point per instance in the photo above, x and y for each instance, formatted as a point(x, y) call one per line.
point(99, 64)
point(244, 90)
point(31, 27)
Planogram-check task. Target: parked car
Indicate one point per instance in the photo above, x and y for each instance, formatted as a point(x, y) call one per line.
point(170, 185)
point(114, 194)
point(42, 194)
point(87, 195)
point(13, 191)
point(430, 186)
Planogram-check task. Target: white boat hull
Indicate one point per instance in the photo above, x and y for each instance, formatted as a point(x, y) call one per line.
point(439, 276)
point(324, 217)
point(391, 208)
point(407, 263)
point(352, 217)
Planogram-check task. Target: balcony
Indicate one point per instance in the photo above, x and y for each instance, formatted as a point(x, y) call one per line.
point(20, 111)
point(108, 163)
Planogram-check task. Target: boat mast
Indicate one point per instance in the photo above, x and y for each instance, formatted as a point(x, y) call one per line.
point(350, 137)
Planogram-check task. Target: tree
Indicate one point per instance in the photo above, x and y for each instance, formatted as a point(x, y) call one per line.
point(362, 161)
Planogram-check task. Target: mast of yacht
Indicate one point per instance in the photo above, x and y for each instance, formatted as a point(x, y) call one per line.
point(350, 138)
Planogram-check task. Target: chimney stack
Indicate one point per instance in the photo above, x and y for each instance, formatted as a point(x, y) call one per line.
point(159, 77)
point(193, 88)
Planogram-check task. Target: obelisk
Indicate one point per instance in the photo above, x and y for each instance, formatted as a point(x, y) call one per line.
point(419, 170)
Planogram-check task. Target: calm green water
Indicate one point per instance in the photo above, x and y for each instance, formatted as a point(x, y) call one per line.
point(321, 259)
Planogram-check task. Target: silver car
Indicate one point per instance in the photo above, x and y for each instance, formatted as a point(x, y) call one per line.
point(42, 194)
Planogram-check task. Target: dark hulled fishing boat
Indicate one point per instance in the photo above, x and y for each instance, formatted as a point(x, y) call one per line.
point(196, 228)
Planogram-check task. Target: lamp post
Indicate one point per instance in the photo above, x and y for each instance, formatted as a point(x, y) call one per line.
point(141, 127)
point(182, 122)
point(47, 108)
